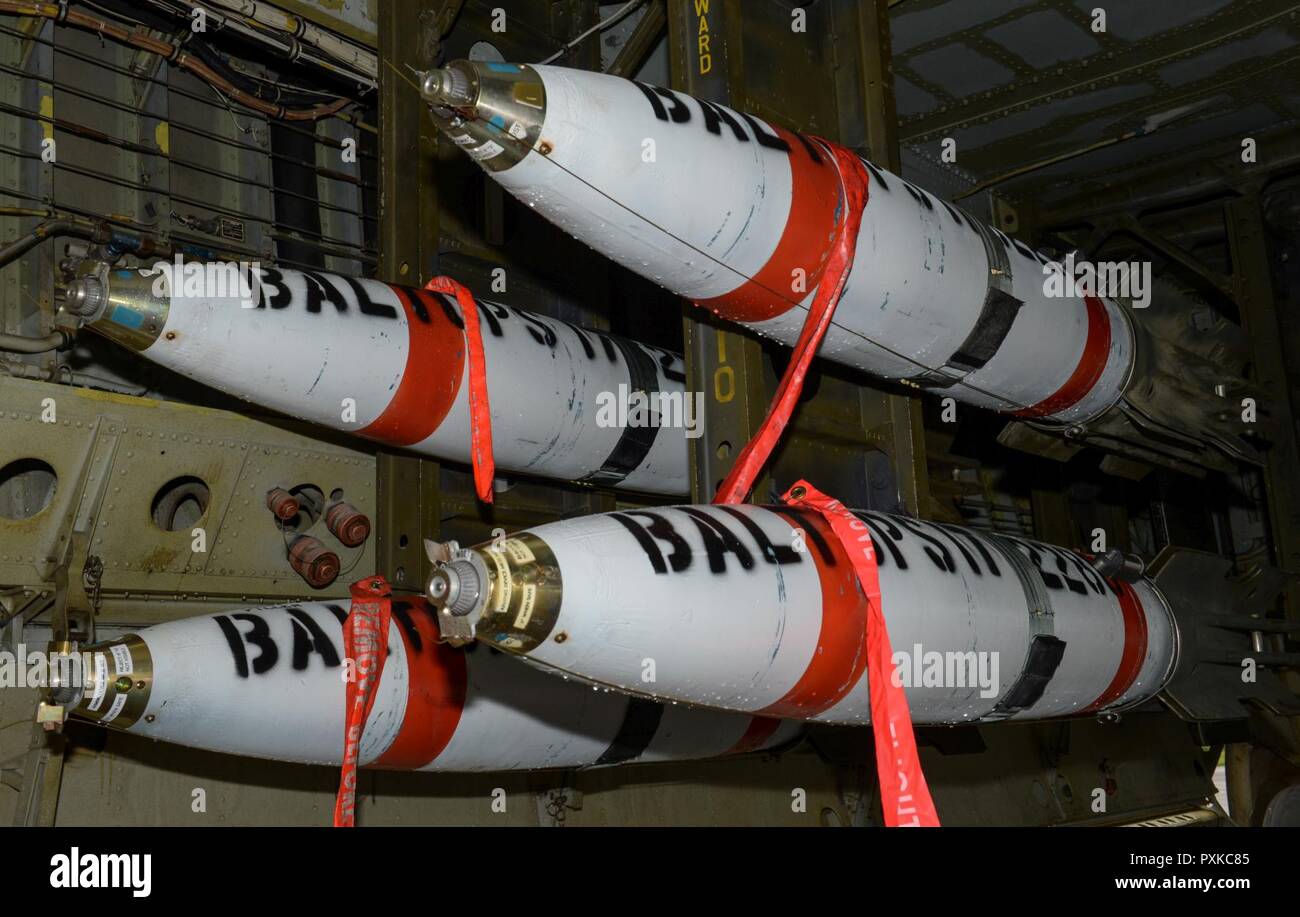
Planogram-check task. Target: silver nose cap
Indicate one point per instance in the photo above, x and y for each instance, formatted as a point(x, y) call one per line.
point(455, 587)
point(446, 86)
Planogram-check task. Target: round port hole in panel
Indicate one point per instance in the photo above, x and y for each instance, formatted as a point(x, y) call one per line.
point(180, 504)
point(27, 486)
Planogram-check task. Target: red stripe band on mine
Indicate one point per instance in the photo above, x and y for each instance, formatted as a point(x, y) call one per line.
point(1096, 352)
point(1135, 648)
point(435, 362)
point(759, 730)
point(437, 679)
point(814, 218)
point(840, 657)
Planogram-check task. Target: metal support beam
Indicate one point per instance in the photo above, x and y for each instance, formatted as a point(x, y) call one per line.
point(1134, 62)
point(1185, 260)
point(42, 778)
point(726, 366)
point(1196, 173)
point(1240, 795)
point(1252, 277)
point(407, 489)
point(893, 422)
point(642, 41)
point(878, 84)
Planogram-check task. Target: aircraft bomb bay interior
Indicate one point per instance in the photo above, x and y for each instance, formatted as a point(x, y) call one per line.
point(651, 413)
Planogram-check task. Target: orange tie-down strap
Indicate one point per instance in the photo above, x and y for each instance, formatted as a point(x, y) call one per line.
point(480, 412)
point(904, 794)
point(905, 797)
point(365, 635)
point(740, 481)
point(365, 644)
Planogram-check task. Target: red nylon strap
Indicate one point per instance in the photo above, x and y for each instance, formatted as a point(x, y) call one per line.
point(480, 414)
point(365, 644)
point(904, 794)
point(754, 456)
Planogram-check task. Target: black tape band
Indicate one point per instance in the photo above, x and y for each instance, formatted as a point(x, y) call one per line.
point(1041, 663)
point(997, 315)
point(640, 723)
point(635, 443)
point(1045, 649)
point(995, 321)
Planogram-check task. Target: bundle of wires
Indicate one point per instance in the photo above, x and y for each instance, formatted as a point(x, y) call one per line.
point(193, 56)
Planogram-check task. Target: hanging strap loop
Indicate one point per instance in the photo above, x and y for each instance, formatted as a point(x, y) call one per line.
point(480, 412)
point(904, 794)
point(365, 644)
point(854, 180)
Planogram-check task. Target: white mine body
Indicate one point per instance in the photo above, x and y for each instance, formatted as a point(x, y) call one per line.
point(758, 610)
point(437, 708)
point(396, 372)
point(703, 200)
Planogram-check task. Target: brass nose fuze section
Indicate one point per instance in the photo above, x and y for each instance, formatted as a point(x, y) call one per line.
point(116, 681)
point(492, 111)
point(505, 592)
point(129, 307)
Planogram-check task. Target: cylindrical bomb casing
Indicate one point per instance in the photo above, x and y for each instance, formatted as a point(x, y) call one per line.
point(389, 363)
point(267, 683)
point(739, 216)
point(759, 610)
point(347, 523)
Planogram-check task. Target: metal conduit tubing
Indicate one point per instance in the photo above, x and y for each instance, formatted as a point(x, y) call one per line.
point(292, 49)
point(173, 238)
point(252, 255)
point(72, 127)
point(205, 50)
point(327, 42)
point(355, 255)
point(45, 214)
point(184, 199)
point(329, 174)
point(203, 133)
point(270, 39)
point(58, 210)
point(264, 186)
point(97, 136)
point(265, 89)
point(17, 343)
point(295, 208)
point(300, 266)
point(65, 225)
point(48, 230)
point(172, 53)
point(205, 100)
point(225, 253)
point(320, 170)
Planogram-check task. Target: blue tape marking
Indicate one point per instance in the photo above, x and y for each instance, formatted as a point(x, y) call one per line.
point(128, 318)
